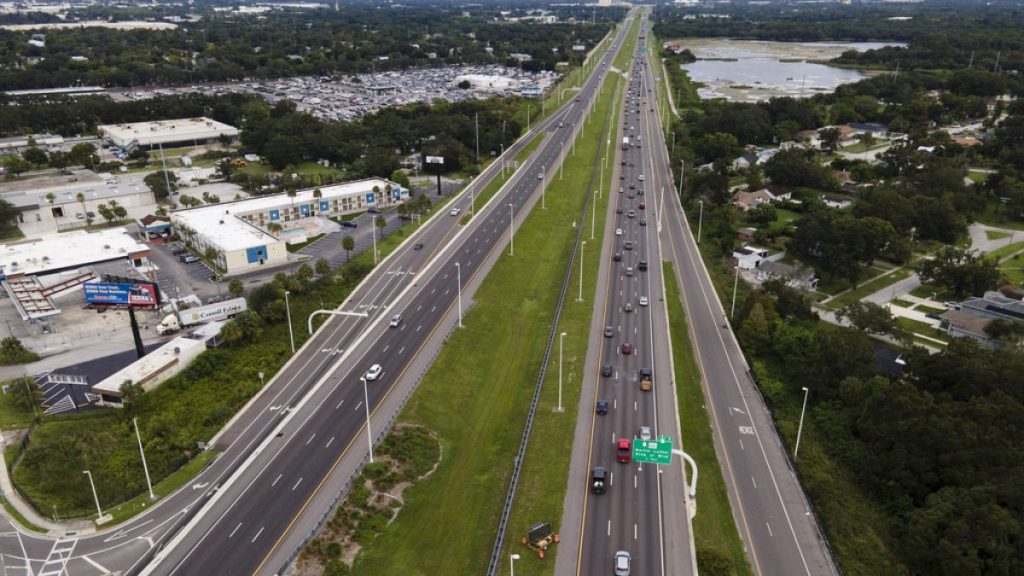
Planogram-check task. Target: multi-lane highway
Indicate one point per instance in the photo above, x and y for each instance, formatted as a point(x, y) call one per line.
point(770, 508)
point(642, 509)
point(294, 446)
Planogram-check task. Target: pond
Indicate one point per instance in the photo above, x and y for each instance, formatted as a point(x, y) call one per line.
point(752, 70)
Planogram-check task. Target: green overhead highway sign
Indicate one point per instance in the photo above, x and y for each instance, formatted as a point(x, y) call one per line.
point(657, 451)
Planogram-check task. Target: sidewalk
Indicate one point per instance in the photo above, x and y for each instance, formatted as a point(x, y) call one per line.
point(29, 513)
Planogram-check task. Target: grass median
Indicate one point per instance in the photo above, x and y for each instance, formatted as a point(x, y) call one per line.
point(477, 393)
point(717, 541)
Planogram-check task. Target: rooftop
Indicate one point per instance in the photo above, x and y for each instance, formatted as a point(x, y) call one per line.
point(167, 130)
point(67, 250)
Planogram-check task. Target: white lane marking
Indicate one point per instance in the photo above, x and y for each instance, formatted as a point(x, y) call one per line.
point(235, 530)
point(310, 438)
point(257, 534)
point(329, 442)
point(635, 407)
point(385, 348)
point(753, 481)
point(634, 531)
point(420, 327)
point(339, 404)
point(615, 403)
point(634, 480)
point(274, 483)
point(420, 307)
point(297, 484)
point(741, 445)
point(611, 478)
point(609, 528)
point(433, 308)
point(95, 565)
point(360, 405)
point(770, 533)
point(402, 349)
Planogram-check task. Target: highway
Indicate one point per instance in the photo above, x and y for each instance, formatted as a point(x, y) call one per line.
point(296, 443)
point(643, 509)
point(769, 506)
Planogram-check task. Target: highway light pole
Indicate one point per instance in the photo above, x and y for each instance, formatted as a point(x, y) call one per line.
point(593, 216)
point(560, 338)
point(145, 468)
point(700, 219)
point(735, 284)
point(511, 231)
point(369, 435)
point(543, 187)
point(373, 233)
point(800, 428)
point(458, 275)
point(512, 564)
point(99, 511)
point(583, 245)
point(682, 164)
point(288, 312)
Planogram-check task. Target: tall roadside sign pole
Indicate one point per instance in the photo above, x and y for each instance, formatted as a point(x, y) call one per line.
point(439, 161)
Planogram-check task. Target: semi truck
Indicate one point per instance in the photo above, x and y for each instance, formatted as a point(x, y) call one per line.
point(184, 318)
point(625, 143)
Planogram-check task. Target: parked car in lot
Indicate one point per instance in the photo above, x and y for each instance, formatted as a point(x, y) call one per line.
point(177, 249)
point(189, 258)
point(349, 224)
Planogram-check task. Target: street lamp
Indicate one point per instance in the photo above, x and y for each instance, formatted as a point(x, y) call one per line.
point(512, 564)
point(800, 428)
point(369, 435)
point(373, 234)
point(593, 216)
point(583, 245)
point(288, 312)
point(458, 275)
point(735, 284)
point(527, 117)
point(560, 338)
point(511, 232)
point(99, 512)
point(145, 468)
point(700, 219)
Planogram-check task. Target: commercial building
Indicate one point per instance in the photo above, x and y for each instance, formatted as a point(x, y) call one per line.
point(33, 272)
point(239, 232)
point(74, 205)
point(183, 131)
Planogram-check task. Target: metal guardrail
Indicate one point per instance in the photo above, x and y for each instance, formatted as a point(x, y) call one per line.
point(499, 540)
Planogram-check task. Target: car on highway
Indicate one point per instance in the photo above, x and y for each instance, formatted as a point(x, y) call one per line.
point(540, 175)
point(618, 231)
point(640, 177)
point(628, 307)
point(602, 407)
point(609, 331)
point(645, 433)
point(631, 214)
point(643, 221)
point(643, 300)
point(627, 348)
point(455, 211)
point(417, 246)
point(618, 210)
point(620, 189)
point(642, 206)
point(607, 370)
point(598, 480)
point(628, 244)
point(632, 186)
point(629, 271)
point(622, 451)
point(617, 257)
point(395, 321)
point(374, 373)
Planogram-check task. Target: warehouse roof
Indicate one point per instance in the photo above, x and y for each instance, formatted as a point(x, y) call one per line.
point(164, 131)
point(67, 250)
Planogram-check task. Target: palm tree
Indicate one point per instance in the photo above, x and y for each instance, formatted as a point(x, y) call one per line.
point(317, 194)
point(275, 229)
point(348, 244)
point(50, 198)
point(81, 200)
point(291, 192)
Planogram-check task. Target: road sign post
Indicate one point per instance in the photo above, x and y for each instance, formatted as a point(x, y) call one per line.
point(655, 451)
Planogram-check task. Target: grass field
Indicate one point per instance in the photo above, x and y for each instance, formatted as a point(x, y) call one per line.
point(916, 327)
point(868, 288)
point(11, 416)
point(995, 235)
point(478, 409)
point(168, 485)
point(714, 529)
point(1004, 251)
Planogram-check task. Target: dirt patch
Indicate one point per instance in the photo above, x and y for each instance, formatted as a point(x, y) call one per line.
point(406, 456)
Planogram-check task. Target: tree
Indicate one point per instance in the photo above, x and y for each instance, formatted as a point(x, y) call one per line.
point(34, 156)
point(829, 139)
point(59, 159)
point(8, 219)
point(235, 287)
point(348, 244)
point(131, 392)
point(26, 394)
point(275, 228)
point(16, 165)
point(243, 328)
point(106, 213)
point(119, 212)
point(323, 269)
point(871, 318)
point(158, 181)
point(83, 154)
point(1008, 332)
point(399, 177)
point(963, 272)
point(12, 351)
point(380, 222)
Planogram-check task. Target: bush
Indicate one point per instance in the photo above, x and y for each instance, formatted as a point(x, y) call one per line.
point(12, 351)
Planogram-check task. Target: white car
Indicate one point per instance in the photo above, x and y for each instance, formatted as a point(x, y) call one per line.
point(643, 300)
point(455, 211)
point(374, 373)
point(645, 433)
point(618, 231)
point(396, 320)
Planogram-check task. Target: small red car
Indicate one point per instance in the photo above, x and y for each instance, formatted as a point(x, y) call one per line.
point(623, 453)
point(627, 348)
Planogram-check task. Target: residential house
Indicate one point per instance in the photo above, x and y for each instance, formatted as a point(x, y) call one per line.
point(771, 193)
point(753, 156)
point(836, 202)
point(746, 234)
point(876, 130)
point(960, 324)
point(974, 314)
point(749, 257)
point(794, 275)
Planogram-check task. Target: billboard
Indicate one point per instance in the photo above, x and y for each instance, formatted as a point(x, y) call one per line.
point(132, 295)
point(435, 159)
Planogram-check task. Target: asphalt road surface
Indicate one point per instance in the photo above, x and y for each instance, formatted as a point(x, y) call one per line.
point(240, 515)
point(769, 506)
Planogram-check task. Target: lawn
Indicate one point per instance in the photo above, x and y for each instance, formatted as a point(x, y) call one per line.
point(714, 529)
point(167, 486)
point(478, 409)
point(995, 234)
point(1004, 251)
point(929, 309)
point(11, 416)
point(977, 176)
point(925, 330)
point(903, 303)
point(870, 287)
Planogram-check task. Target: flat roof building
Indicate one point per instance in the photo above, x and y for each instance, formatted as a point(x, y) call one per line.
point(192, 131)
point(239, 231)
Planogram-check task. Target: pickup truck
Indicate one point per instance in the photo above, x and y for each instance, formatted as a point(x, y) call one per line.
point(646, 379)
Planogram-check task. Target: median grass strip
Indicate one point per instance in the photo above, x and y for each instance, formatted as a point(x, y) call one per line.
point(718, 545)
point(477, 407)
point(163, 488)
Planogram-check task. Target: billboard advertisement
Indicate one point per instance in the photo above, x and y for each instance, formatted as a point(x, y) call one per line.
point(135, 295)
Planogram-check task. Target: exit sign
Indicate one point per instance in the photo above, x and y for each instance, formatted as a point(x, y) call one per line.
point(658, 451)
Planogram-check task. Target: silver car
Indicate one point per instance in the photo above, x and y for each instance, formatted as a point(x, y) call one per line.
point(622, 561)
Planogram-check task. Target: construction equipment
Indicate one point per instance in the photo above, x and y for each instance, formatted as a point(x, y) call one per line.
point(540, 538)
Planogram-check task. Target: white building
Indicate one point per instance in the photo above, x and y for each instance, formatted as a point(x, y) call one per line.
point(38, 215)
point(190, 131)
point(749, 257)
point(239, 231)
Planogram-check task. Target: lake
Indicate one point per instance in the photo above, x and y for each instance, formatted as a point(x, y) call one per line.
point(754, 70)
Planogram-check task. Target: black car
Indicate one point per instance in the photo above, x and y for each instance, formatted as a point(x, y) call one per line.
point(606, 370)
point(349, 224)
point(602, 407)
point(618, 210)
point(417, 246)
point(177, 249)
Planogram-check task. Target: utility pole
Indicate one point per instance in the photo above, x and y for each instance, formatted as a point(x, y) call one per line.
point(477, 122)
